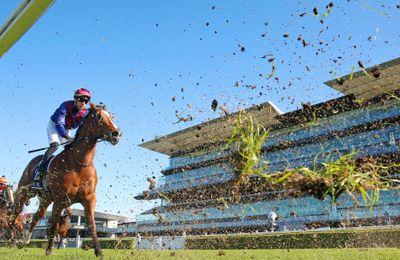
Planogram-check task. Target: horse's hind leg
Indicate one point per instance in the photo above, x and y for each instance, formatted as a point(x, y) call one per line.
point(21, 197)
point(38, 215)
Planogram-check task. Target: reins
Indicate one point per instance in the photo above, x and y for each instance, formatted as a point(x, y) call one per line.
point(67, 143)
point(78, 140)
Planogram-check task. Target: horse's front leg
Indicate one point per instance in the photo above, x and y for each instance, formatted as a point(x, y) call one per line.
point(21, 197)
point(89, 205)
point(52, 226)
point(59, 241)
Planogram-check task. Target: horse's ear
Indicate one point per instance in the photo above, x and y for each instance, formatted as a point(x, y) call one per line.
point(92, 106)
point(102, 105)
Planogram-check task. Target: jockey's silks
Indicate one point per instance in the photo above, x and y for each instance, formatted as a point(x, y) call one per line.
point(68, 117)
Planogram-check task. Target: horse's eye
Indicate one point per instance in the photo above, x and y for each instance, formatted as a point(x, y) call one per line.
point(99, 116)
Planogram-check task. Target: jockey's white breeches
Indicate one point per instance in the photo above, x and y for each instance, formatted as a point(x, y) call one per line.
point(53, 135)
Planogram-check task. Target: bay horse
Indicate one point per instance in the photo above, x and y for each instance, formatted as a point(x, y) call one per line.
point(72, 176)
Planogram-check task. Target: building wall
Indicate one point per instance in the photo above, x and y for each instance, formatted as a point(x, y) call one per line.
point(111, 224)
point(76, 223)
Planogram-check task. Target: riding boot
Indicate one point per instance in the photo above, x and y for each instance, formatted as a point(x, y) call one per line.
point(41, 168)
point(53, 147)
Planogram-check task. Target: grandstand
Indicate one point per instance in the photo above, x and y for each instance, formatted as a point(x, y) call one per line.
point(197, 182)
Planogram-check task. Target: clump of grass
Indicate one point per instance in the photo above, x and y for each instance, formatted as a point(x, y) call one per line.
point(347, 175)
point(248, 137)
point(223, 201)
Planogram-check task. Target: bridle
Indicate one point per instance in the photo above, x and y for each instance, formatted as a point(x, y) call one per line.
point(109, 134)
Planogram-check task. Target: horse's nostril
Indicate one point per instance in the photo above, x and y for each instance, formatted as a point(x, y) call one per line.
point(115, 133)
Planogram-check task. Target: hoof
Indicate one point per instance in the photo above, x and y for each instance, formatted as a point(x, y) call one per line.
point(48, 251)
point(98, 253)
point(27, 238)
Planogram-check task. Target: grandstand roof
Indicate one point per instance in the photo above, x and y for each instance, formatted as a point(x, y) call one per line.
point(364, 84)
point(370, 82)
point(211, 131)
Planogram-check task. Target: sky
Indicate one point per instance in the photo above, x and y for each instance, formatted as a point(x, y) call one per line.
point(152, 61)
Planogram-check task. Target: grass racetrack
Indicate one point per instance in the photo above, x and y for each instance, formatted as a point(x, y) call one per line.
point(335, 238)
point(354, 253)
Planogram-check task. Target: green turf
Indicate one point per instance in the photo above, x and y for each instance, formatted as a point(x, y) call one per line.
point(342, 238)
point(367, 253)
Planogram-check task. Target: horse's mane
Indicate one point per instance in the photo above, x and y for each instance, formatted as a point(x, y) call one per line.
point(78, 131)
point(91, 110)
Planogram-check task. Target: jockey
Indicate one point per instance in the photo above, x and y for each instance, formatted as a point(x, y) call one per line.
point(3, 193)
point(68, 116)
point(3, 183)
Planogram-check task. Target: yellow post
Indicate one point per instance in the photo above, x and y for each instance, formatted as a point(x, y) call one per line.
point(20, 21)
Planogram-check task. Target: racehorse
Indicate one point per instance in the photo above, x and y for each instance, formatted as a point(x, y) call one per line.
point(71, 177)
point(6, 205)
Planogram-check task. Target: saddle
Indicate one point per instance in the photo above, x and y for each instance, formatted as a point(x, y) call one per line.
point(38, 180)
